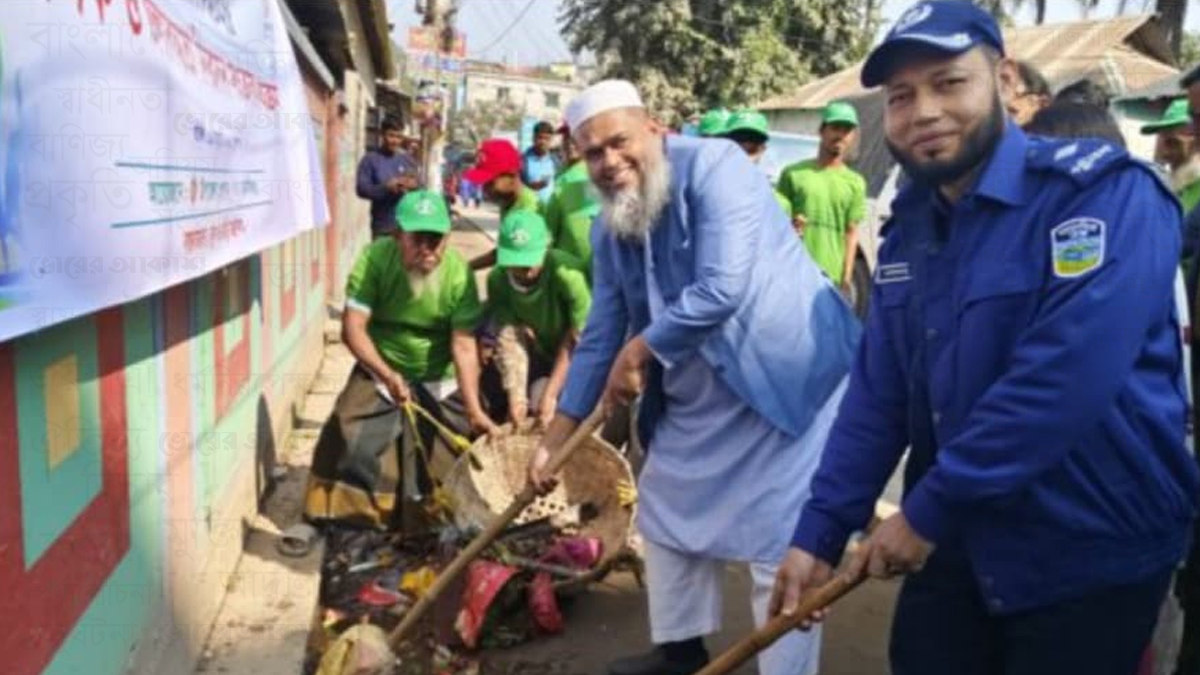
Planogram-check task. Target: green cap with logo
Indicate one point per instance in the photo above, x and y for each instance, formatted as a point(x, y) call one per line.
point(748, 120)
point(839, 112)
point(524, 240)
point(1176, 114)
point(713, 122)
point(423, 211)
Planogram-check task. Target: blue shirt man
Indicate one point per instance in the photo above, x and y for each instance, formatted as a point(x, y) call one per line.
point(538, 165)
point(1023, 341)
point(747, 346)
point(384, 177)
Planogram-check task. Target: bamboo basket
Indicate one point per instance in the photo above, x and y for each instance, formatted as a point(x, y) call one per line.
point(585, 499)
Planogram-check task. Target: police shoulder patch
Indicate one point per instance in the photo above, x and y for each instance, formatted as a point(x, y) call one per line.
point(1077, 247)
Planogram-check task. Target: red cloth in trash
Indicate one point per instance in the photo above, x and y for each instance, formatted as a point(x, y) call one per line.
point(544, 604)
point(580, 553)
point(485, 579)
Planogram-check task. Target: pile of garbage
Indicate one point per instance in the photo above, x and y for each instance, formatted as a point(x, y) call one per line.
point(508, 596)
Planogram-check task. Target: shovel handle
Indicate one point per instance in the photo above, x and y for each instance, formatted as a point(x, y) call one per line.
point(813, 601)
point(494, 530)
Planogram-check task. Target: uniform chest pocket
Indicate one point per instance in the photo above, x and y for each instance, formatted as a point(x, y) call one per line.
point(1002, 299)
point(891, 301)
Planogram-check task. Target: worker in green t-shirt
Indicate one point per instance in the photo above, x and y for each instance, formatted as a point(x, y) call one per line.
point(411, 311)
point(828, 198)
point(498, 170)
point(750, 130)
point(1175, 148)
point(573, 205)
point(538, 299)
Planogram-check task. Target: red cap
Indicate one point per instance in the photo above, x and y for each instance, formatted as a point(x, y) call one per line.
point(495, 157)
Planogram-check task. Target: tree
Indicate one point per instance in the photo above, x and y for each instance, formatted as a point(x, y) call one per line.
point(686, 55)
point(1189, 51)
point(478, 122)
point(1004, 10)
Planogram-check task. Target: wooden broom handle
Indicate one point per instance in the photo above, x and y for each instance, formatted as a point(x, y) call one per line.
point(817, 599)
point(494, 529)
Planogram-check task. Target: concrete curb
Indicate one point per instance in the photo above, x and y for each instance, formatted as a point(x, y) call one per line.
point(265, 618)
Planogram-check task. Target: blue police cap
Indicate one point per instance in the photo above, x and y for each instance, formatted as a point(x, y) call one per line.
point(949, 26)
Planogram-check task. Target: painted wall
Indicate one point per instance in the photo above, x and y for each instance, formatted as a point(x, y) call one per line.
point(135, 442)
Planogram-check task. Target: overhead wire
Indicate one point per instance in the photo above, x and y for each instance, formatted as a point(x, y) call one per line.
point(506, 31)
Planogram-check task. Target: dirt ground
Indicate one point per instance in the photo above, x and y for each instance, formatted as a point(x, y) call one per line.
point(609, 621)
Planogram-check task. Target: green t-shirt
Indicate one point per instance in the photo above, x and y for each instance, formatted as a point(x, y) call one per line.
point(1189, 196)
point(527, 200)
point(830, 200)
point(783, 202)
point(413, 331)
point(558, 302)
point(570, 211)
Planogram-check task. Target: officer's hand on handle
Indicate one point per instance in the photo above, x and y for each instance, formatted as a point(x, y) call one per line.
point(798, 222)
point(628, 374)
point(799, 572)
point(892, 549)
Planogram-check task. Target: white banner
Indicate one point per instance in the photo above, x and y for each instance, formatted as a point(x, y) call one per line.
point(144, 143)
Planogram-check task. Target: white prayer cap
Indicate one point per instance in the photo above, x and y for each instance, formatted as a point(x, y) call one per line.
point(600, 98)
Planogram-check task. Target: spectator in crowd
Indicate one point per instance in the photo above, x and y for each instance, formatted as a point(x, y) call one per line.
point(712, 123)
point(539, 165)
point(1031, 94)
point(1175, 149)
point(1085, 91)
point(750, 130)
point(1068, 119)
point(573, 205)
point(385, 175)
point(829, 199)
point(498, 171)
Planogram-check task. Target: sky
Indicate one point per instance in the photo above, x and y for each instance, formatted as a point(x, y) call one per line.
point(494, 33)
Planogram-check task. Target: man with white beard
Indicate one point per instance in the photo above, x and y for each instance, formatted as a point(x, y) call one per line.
point(411, 312)
point(705, 303)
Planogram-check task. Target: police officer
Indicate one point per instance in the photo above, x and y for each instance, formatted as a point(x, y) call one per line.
point(1024, 342)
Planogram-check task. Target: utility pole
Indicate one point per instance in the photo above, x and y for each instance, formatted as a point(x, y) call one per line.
point(438, 15)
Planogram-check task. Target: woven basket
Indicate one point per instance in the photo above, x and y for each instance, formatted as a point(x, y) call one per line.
point(586, 492)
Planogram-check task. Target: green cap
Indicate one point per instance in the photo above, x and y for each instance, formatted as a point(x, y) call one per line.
point(713, 122)
point(1176, 114)
point(839, 112)
point(748, 120)
point(423, 211)
point(524, 240)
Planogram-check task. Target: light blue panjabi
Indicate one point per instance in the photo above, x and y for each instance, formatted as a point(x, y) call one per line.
point(755, 345)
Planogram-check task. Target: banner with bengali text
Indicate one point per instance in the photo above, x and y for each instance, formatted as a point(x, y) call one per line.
point(144, 143)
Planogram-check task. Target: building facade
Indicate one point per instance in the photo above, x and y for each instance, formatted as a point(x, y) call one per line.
point(542, 93)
